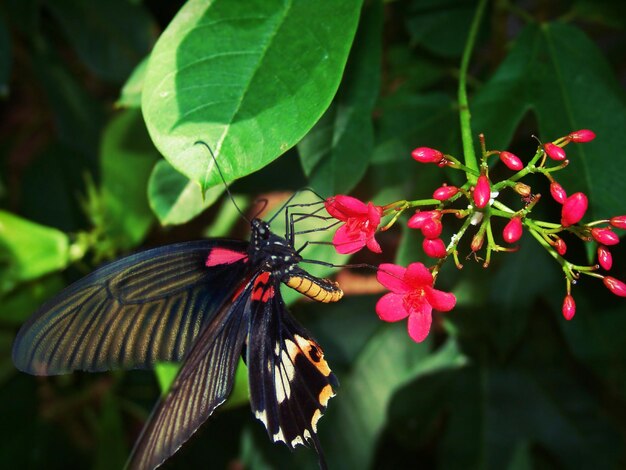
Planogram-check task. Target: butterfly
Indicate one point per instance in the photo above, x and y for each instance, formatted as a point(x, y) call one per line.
point(205, 303)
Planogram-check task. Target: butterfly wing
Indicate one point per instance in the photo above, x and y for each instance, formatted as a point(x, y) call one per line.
point(143, 308)
point(203, 383)
point(290, 381)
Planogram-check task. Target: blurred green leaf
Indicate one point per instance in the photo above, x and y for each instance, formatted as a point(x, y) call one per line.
point(112, 451)
point(336, 152)
point(110, 37)
point(127, 159)
point(250, 81)
point(29, 250)
point(174, 198)
point(543, 73)
point(227, 216)
point(388, 362)
point(21, 302)
point(5, 58)
point(130, 96)
point(440, 27)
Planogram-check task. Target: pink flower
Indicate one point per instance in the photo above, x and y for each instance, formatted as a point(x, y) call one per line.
point(582, 136)
point(560, 246)
point(557, 192)
point(555, 152)
point(434, 247)
point(605, 259)
point(445, 192)
point(605, 236)
point(429, 222)
point(427, 155)
point(569, 307)
point(482, 192)
point(614, 285)
point(618, 221)
point(361, 221)
point(573, 209)
point(513, 230)
point(511, 160)
point(412, 295)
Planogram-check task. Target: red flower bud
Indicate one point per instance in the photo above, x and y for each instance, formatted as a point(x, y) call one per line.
point(420, 218)
point(513, 230)
point(554, 152)
point(557, 192)
point(606, 236)
point(445, 192)
point(560, 246)
point(434, 248)
point(604, 257)
point(569, 307)
point(582, 136)
point(574, 209)
point(427, 155)
point(482, 192)
point(619, 221)
point(477, 242)
point(511, 161)
point(432, 228)
point(615, 285)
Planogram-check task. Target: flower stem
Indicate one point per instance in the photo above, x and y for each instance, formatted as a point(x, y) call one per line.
point(464, 111)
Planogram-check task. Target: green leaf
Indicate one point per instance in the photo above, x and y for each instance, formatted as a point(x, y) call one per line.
point(112, 451)
point(110, 37)
point(544, 73)
point(248, 78)
point(22, 301)
point(336, 152)
point(174, 198)
point(127, 159)
point(29, 250)
point(130, 96)
point(5, 58)
point(389, 361)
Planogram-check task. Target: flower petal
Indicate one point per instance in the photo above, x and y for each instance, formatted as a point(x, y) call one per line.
point(392, 277)
point(347, 242)
point(419, 323)
point(343, 207)
point(373, 245)
point(418, 276)
point(373, 214)
point(390, 307)
point(440, 300)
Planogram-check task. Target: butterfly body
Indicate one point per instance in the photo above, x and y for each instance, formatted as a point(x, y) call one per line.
point(202, 303)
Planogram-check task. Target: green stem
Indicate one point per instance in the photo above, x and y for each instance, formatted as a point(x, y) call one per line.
point(464, 111)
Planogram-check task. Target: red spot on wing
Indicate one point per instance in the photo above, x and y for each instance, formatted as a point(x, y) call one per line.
point(261, 291)
point(219, 256)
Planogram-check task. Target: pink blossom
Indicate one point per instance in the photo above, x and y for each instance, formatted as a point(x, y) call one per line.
point(511, 160)
point(434, 247)
point(605, 236)
point(513, 230)
point(445, 192)
point(412, 295)
point(618, 221)
point(605, 259)
point(482, 192)
point(615, 285)
point(427, 155)
point(557, 192)
point(569, 307)
point(582, 136)
point(361, 221)
point(573, 209)
point(555, 152)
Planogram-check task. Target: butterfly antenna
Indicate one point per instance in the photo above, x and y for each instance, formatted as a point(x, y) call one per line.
point(219, 170)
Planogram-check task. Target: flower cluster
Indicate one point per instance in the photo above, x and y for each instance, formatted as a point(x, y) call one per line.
point(412, 293)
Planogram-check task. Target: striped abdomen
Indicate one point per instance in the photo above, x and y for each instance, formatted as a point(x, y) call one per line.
point(322, 290)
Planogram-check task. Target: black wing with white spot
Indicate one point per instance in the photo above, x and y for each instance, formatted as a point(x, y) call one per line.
point(290, 381)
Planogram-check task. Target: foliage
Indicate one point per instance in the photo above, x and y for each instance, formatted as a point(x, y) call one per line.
point(103, 103)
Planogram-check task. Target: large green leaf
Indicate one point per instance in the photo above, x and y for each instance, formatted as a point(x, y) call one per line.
point(336, 152)
point(248, 78)
point(29, 250)
point(110, 37)
point(174, 198)
point(544, 72)
point(127, 157)
point(130, 96)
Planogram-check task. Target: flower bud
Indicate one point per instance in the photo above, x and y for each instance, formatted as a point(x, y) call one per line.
point(569, 307)
point(421, 217)
point(445, 192)
point(619, 221)
point(554, 152)
point(557, 192)
point(522, 189)
point(513, 230)
point(511, 161)
point(560, 246)
point(477, 241)
point(606, 236)
point(574, 209)
point(432, 228)
point(434, 247)
point(482, 192)
point(582, 136)
point(427, 155)
point(615, 285)
point(605, 259)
